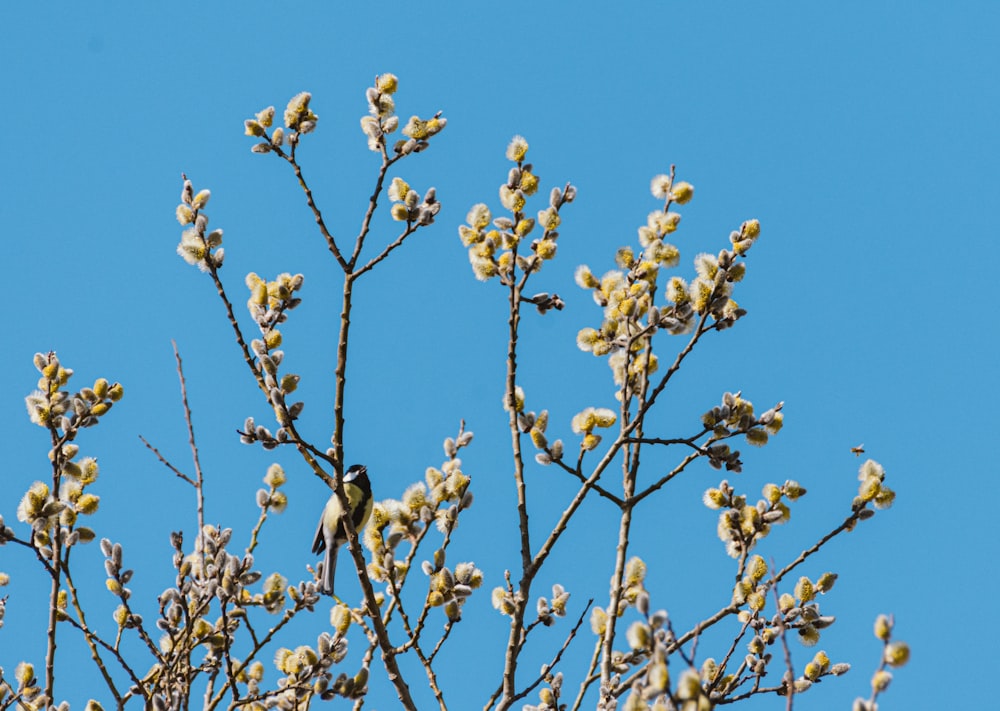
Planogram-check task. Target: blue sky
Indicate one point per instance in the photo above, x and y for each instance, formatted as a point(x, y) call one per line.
point(862, 135)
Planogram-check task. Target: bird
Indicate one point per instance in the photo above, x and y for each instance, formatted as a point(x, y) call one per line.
point(331, 534)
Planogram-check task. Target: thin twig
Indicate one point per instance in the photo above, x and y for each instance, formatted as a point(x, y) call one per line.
point(589, 678)
point(331, 243)
point(516, 638)
point(848, 523)
point(244, 663)
point(411, 227)
point(789, 675)
point(601, 491)
point(547, 669)
point(56, 570)
point(729, 653)
point(199, 475)
point(652, 488)
point(366, 223)
point(618, 576)
point(93, 640)
point(227, 652)
point(733, 609)
point(166, 463)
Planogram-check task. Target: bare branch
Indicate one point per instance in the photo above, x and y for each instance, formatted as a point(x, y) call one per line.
point(167, 464)
point(550, 667)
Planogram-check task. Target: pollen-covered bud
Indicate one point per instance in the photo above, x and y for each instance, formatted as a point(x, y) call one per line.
point(585, 279)
point(702, 294)
point(772, 493)
point(604, 417)
point(340, 619)
point(185, 215)
point(87, 504)
point(518, 400)
point(793, 490)
point(883, 627)
point(598, 621)
point(741, 590)
point(625, 258)
point(714, 499)
point(659, 186)
point(387, 83)
point(756, 600)
point(266, 117)
point(253, 128)
point(817, 667)
point(881, 680)
point(524, 227)
point(298, 112)
point(786, 602)
point(201, 199)
point(517, 149)
point(275, 476)
point(511, 199)
point(663, 253)
point(808, 635)
point(503, 602)
point(272, 339)
point(825, 582)
point(804, 590)
point(549, 218)
point(528, 182)
point(757, 568)
point(635, 572)
point(682, 192)
point(897, 654)
point(25, 674)
point(383, 106)
point(677, 291)
point(871, 469)
point(484, 269)
point(750, 229)
point(665, 222)
point(884, 498)
point(420, 130)
point(470, 236)
point(545, 249)
point(33, 504)
point(398, 189)
point(773, 421)
point(639, 636)
point(689, 685)
point(479, 216)
point(707, 266)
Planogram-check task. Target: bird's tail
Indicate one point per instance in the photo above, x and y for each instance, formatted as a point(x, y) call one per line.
point(329, 569)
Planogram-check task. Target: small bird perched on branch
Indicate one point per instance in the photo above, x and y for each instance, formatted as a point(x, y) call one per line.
point(331, 534)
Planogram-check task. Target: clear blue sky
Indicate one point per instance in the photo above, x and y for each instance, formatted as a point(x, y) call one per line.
point(862, 135)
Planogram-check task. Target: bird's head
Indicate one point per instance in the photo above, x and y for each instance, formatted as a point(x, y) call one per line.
point(355, 471)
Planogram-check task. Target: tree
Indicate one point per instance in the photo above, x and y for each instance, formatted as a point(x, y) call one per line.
point(209, 640)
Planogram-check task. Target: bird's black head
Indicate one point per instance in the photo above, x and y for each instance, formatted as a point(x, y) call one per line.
point(354, 471)
point(357, 475)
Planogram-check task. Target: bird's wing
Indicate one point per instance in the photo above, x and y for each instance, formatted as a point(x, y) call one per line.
point(319, 542)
